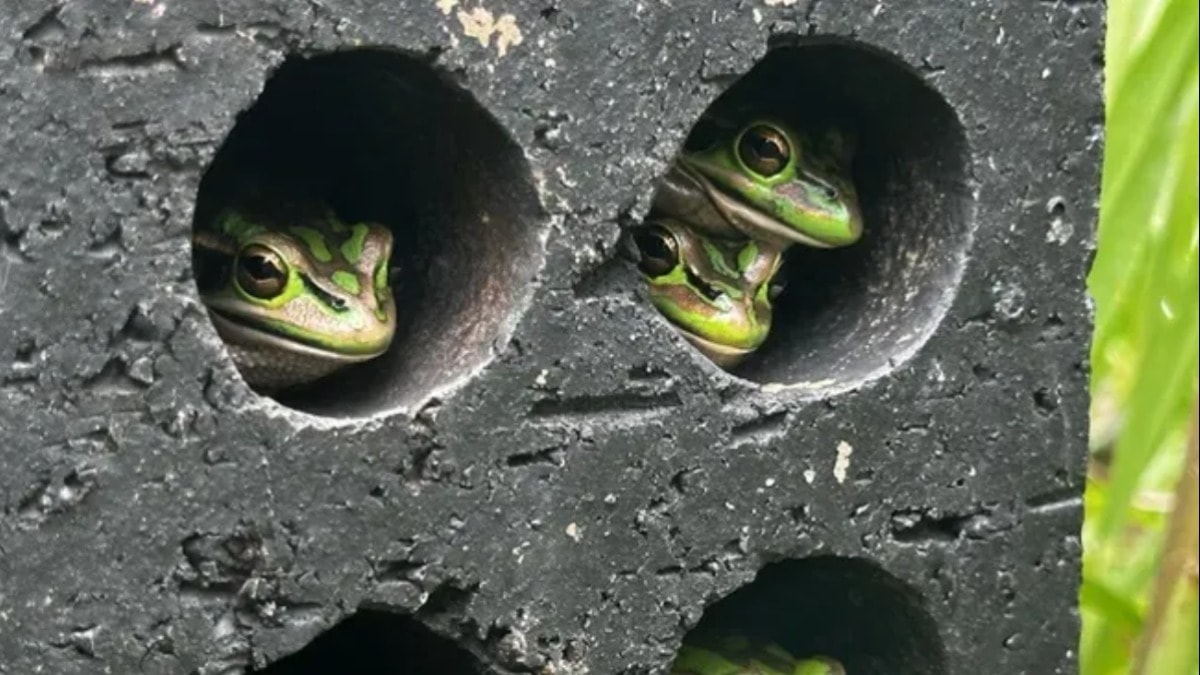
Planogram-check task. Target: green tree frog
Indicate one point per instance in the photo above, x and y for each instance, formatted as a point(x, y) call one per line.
point(723, 217)
point(295, 295)
point(716, 292)
point(769, 182)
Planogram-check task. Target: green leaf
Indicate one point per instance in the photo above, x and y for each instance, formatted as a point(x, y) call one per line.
point(1139, 191)
point(1145, 347)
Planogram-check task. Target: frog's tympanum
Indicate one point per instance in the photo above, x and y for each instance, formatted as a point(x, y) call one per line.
point(724, 215)
point(296, 297)
point(735, 655)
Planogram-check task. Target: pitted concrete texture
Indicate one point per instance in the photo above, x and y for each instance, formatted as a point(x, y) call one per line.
point(541, 476)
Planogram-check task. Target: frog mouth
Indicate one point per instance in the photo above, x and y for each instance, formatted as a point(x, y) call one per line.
point(233, 328)
point(723, 355)
point(742, 216)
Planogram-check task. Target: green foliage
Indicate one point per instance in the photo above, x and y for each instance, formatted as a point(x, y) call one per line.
point(1139, 597)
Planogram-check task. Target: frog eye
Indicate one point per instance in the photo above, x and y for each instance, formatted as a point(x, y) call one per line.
point(764, 150)
point(657, 250)
point(261, 272)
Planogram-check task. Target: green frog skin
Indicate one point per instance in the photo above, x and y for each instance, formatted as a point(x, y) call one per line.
point(740, 656)
point(716, 292)
point(766, 181)
point(296, 297)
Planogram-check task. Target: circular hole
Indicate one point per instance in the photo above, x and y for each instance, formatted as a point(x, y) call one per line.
point(373, 642)
point(849, 314)
point(379, 136)
point(846, 608)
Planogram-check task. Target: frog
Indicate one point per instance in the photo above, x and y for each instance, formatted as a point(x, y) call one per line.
point(767, 181)
point(295, 293)
point(716, 292)
point(731, 204)
point(738, 655)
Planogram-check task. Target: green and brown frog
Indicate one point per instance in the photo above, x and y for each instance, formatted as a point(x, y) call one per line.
point(295, 293)
point(726, 212)
point(717, 292)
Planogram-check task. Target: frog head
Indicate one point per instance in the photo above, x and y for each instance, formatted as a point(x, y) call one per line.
point(295, 299)
point(716, 292)
point(767, 181)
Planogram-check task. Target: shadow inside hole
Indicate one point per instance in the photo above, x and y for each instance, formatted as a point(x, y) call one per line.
point(850, 314)
point(847, 608)
point(370, 643)
point(382, 136)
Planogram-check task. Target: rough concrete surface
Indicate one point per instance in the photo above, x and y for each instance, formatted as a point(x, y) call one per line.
point(542, 477)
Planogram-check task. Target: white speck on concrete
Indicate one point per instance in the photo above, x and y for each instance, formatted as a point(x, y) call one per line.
point(936, 373)
point(562, 177)
point(574, 533)
point(842, 464)
point(1010, 302)
point(810, 476)
point(481, 24)
point(1061, 229)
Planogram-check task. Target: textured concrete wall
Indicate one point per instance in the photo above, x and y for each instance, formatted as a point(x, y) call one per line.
point(541, 472)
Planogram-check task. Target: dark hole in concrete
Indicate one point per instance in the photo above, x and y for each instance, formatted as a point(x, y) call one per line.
point(371, 643)
point(850, 314)
point(382, 136)
point(847, 608)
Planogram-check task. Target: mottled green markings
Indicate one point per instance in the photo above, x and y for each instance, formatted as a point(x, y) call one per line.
point(381, 276)
point(352, 248)
point(346, 281)
point(232, 224)
point(717, 257)
point(315, 241)
point(747, 255)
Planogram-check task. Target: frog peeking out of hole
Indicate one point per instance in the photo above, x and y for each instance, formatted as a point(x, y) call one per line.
point(737, 197)
point(295, 292)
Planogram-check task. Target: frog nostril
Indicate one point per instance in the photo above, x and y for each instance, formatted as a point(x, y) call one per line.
point(334, 301)
point(827, 190)
point(706, 289)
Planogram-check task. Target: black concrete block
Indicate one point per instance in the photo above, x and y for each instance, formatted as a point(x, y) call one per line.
point(541, 476)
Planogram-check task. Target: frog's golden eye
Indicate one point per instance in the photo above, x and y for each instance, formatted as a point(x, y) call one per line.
point(658, 252)
point(764, 150)
point(261, 272)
